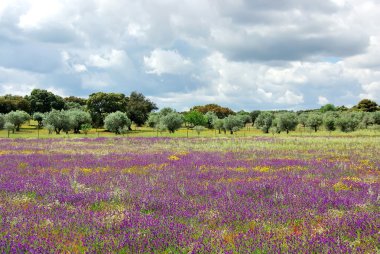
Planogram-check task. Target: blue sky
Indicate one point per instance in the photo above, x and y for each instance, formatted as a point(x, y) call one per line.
point(244, 54)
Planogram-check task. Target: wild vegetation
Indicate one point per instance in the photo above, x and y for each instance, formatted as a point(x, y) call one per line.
point(174, 195)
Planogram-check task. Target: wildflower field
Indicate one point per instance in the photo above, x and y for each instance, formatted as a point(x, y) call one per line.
point(197, 195)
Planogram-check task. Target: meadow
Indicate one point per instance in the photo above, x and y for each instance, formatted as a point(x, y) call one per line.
point(234, 194)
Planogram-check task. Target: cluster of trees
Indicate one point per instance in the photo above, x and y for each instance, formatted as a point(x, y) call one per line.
point(72, 113)
point(116, 112)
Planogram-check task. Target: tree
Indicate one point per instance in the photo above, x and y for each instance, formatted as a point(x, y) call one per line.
point(327, 107)
point(221, 112)
point(314, 121)
point(39, 117)
point(348, 122)
point(210, 117)
point(199, 129)
point(264, 121)
point(2, 121)
point(116, 121)
point(17, 118)
point(77, 100)
point(218, 124)
point(233, 123)
point(287, 122)
point(366, 120)
point(254, 114)
point(245, 118)
point(376, 117)
point(194, 118)
point(101, 104)
point(367, 105)
point(10, 103)
point(302, 119)
point(86, 127)
point(44, 101)
point(153, 120)
point(59, 120)
point(10, 127)
point(138, 108)
point(77, 118)
point(329, 122)
point(173, 121)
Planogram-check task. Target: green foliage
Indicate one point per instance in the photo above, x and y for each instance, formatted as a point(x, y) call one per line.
point(221, 112)
point(366, 120)
point(114, 122)
point(10, 127)
point(101, 104)
point(254, 114)
point(59, 119)
point(218, 124)
point(173, 121)
point(153, 120)
point(2, 121)
point(367, 105)
point(302, 119)
point(166, 111)
point(314, 121)
point(10, 103)
point(210, 117)
point(348, 122)
point(86, 127)
point(138, 108)
point(233, 123)
point(194, 118)
point(329, 122)
point(39, 117)
point(287, 122)
point(245, 118)
point(199, 129)
point(17, 118)
point(376, 117)
point(44, 101)
point(264, 121)
point(327, 107)
point(78, 117)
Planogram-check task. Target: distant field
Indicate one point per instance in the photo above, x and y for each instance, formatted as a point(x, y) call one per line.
point(313, 193)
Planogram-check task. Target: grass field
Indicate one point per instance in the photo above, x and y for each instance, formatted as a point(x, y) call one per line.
point(249, 193)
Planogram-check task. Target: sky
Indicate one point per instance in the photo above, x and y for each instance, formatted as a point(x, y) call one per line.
point(242, 54)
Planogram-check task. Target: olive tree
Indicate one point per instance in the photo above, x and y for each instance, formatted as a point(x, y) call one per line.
point(329, 122)
point(210, 118)
point(39, 117)
point(348, 122)
point(314, 121)
point(59, 119)
point(173, 121)
point(17, 118)
point(199, 129)
point(287, 122)
point(264, 121)
point(77, 118)
point(218, 124)
point(116, 121)
point(233, 123)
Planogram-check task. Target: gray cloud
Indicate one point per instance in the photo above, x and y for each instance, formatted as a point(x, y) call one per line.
point(243, 54)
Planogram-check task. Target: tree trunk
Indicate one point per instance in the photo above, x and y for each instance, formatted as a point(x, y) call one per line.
point(231, 132)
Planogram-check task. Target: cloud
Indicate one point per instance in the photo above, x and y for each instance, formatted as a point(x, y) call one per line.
point(166, 62)
point(322, 100)
point(245, 54)
point(290, 98)
point(112, 59)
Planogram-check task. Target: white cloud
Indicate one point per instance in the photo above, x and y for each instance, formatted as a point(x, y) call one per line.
point(80, 68)
point(166, 61)
point(371, 91)
point(112, 59)
point(40, 13)
point(290, 98)
point(322, 100)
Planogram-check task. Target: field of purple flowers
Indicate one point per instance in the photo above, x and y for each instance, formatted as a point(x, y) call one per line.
point(161, 195)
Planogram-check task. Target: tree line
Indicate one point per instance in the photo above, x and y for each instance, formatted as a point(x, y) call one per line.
point(116, 112)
